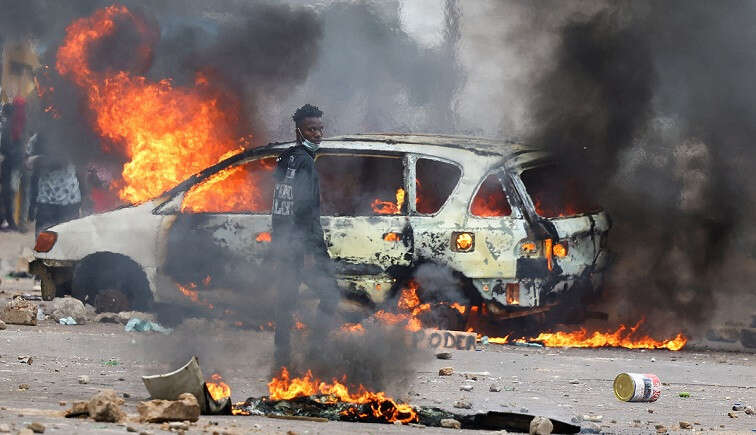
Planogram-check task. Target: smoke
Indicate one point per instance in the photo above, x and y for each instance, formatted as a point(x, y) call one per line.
point(651, 105)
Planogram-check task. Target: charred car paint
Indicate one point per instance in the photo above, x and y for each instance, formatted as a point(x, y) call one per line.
point(482, 208)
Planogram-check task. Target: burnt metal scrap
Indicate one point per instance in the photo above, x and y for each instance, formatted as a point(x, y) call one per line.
point(323, 406)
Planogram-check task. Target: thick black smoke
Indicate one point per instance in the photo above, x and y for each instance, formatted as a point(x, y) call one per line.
point(652, 105)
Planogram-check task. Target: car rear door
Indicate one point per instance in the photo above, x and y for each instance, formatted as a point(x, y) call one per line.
point(364, 217)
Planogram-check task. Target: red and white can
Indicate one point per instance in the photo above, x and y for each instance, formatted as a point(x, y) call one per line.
point(637, 387)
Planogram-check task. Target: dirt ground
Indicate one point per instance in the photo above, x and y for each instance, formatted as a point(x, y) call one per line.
point(560, 383)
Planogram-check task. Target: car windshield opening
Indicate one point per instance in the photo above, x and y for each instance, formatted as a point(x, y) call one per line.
point(245, 188)
point(361, 185)
point(491, 201)
point(555, 193)
point(434, 183)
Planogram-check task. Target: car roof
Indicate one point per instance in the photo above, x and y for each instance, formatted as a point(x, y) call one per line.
point(504, 148)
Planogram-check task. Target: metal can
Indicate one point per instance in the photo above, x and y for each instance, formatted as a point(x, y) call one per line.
point(637, 387)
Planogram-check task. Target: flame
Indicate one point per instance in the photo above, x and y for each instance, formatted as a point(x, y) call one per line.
point(621, 337)
point(353, 327)
point(392, 237)
point(191, 292)
point(382, 407)
point(299, 325)
point(217, 388)
point(165, 133)
point(388, 207)
point(236, 189)
point(264, 237)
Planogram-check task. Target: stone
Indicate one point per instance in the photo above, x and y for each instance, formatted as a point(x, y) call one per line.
point(2, 325)
point(541, 426)
point(23, 387)
point(158, 411)
point(4, 428)
point(685, 425)
point(732, 415)
point(62, 403)
point(594, 418)
point(107, 318)
point(83, 379)
point(590, 427)
point(106, 406)
point(738, 407)
point(650, 411)
point(463, 404)
point(749, 410)
point(494, 388)
point(131, 429)
point(79, 408)
point(25, 431)
point(444, 355)
point(69, 307)
point(660, 428)
point(466, 387)
point(19, 311)
point(37, 427)
point(178, 425)
point(450, 423)
point(574, 381)
point(446, 371)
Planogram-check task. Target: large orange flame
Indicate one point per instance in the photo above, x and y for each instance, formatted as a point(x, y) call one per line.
point(388, 207)
point(166, 133)
point(283, 387)
point(217, 388)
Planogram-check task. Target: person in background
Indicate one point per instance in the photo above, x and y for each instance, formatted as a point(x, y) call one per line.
point(57, 188)
point(11, 126)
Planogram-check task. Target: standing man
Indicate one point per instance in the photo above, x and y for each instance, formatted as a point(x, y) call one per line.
point(297, 232)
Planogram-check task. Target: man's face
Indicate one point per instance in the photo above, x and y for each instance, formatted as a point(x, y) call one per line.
point(312, 129)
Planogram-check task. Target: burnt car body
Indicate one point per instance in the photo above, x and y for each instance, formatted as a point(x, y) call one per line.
point(498, 214)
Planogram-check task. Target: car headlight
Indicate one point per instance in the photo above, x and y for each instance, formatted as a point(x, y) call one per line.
point(45, 241)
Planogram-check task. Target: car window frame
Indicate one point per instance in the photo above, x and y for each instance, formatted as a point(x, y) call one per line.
point(172, 206)
point(525, 195)
point(403, 156)
point(501, 173)
point(412, 175)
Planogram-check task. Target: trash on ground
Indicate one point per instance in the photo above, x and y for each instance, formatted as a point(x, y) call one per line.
point(138, 325)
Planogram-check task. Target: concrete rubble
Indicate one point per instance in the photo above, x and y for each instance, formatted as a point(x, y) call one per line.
point(158, 411)
point(106, 406)
point(69, 307)
point(19, 311)
point(541, 426)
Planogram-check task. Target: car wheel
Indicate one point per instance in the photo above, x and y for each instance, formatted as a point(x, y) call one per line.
point(50, 288)
point(111, 282)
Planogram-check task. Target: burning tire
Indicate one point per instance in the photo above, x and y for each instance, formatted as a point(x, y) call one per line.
point(111, 282)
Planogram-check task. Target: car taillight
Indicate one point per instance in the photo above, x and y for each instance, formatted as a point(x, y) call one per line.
point(45, 241)
point(462, 242)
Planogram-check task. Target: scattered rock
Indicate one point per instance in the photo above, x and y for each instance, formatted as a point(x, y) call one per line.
point(83, 379)
point(494, 388)
point(738, 407)
point(37, 427)
point(4, 428)
point(126, 395)
point(749, 410)
point(660, 428)
point(79, 408)
point(63, 308)
point(444, 355)
point(450, 423)
point(106, 406)
point(178, 425)
point(62, 403)
point(25, 431)
point(732, 415)
point(653, 359)
point(594, 418)
point(650, 411)
point(466, 387)
point(463, 404)
point(541, 426)
point(574, 381)
point(23, 387)
point(131, 429)
point(446, 371)
point(2, 325)
point(158, 411)
point(107, 318)
point(685, 425)
point(25, 359)
point(588, 427)
point(19, 311)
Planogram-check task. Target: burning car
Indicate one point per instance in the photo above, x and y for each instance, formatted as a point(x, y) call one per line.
point(516, 232)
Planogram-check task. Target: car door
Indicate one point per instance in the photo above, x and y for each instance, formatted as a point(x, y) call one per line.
point(223, 226)
point(364, 217)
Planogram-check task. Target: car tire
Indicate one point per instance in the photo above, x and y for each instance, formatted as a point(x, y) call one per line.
point(111, 282)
